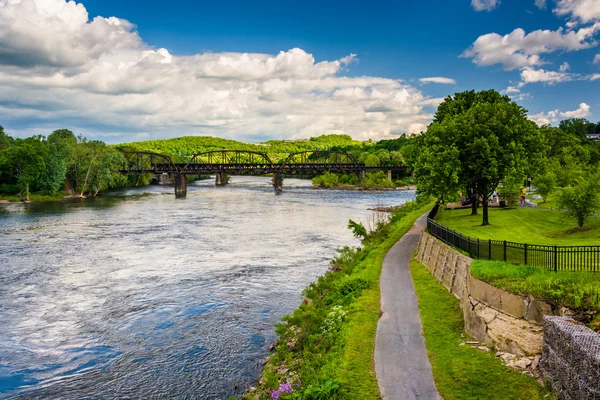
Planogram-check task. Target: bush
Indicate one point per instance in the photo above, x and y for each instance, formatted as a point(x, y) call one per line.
point(353, 286)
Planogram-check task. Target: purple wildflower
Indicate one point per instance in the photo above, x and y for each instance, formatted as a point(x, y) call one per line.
point(283, 388)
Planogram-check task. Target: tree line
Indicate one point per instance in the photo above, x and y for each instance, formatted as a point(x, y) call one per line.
point(482, 142)
point(56, 163)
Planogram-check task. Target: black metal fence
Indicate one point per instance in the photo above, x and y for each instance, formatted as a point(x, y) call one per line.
point(556, 258)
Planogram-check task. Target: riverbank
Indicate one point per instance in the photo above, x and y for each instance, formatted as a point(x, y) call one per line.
point(33, 197)
point(325, 347)
point(365, 188)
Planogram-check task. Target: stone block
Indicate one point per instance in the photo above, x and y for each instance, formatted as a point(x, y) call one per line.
point(450, 271)
point(474, 324)
point(536, 310)
point(499, 299)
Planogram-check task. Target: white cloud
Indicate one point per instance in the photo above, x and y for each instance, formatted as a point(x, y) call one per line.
point(582, 112)
point(99, 76)
point(531, 75)
point(541, 4)
point(554, 116)
point(438, 79)
point(484, 5)
point(594, 77)
point(597, 59)
point(542, 118)
point(579, 10)
point(564, 67)
point(512, 89)
point(518, 49)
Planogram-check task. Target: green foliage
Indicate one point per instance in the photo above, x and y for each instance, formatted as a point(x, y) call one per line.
point(545, 184)
point(25, 158)
point(5, 140)
point(375, 180)
point(510, 189)
point(476, 140)
point(326, 391)
point(575, 290)
point(463, 372)
point(372, 180)
point(358, 229)
point(582, 200)
point(352, 286)
point(45, 165)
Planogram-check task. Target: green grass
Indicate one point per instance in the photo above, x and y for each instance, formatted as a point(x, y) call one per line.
point(524, 225)
point(462, 372)
point(34, 197)
point(357, 373)
point(576, 290)
point(329, 355)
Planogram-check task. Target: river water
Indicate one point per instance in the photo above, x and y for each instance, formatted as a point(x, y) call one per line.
point(140, 295)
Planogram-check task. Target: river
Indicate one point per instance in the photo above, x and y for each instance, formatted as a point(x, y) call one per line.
point(140, 295)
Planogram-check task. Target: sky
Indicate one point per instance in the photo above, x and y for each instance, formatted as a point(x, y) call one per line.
point(124, 70)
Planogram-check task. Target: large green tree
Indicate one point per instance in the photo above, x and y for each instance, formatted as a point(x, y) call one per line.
point(25, 157)
point(60, 145)
point(483, 137)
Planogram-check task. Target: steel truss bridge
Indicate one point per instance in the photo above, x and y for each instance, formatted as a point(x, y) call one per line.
point(240, 162)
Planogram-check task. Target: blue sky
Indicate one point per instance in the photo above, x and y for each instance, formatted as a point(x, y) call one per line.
point(168, 69)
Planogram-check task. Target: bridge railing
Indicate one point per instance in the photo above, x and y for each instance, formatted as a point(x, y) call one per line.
point(555, 258)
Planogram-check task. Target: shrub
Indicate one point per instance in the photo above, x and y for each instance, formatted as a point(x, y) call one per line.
point(581, 200)
point(353, 286)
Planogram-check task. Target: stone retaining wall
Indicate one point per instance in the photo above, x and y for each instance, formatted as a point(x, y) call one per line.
point(493, 316)
point(571, 358)
point(520, 325)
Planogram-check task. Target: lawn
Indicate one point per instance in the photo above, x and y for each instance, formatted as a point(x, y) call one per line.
point(463, 372)
point(575, 290)
point(524, 225)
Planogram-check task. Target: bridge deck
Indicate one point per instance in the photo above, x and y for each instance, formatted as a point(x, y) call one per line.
point(260, 169)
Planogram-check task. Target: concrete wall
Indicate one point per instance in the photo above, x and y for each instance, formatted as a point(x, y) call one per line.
point(493, 316)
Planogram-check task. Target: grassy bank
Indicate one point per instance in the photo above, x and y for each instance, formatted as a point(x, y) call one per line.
point(525, 225)
point(33, 197)
point(576, 290)
point(325, 348)
point(462, 372)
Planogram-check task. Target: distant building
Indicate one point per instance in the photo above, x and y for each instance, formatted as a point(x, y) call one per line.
point(593, 136)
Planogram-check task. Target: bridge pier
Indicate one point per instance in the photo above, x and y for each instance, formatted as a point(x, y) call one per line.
point(278, 181)
point(180, 186)
point(361, 175)
point(389, 175)
point(221, 179)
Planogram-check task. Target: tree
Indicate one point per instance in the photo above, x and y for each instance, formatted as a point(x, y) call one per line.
point(369, 159)
point(485, 137)
point(510, 188)
point(436, 171)
point(60, 145)
point(545, 184)
point(5, 140)
point(26, 159)
point(579, 127)
point(581, 200)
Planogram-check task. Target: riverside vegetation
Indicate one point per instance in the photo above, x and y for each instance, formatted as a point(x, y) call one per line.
point(325, 347)
point(43, 168)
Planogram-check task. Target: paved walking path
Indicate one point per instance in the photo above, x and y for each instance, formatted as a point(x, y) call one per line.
point(401, 363)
